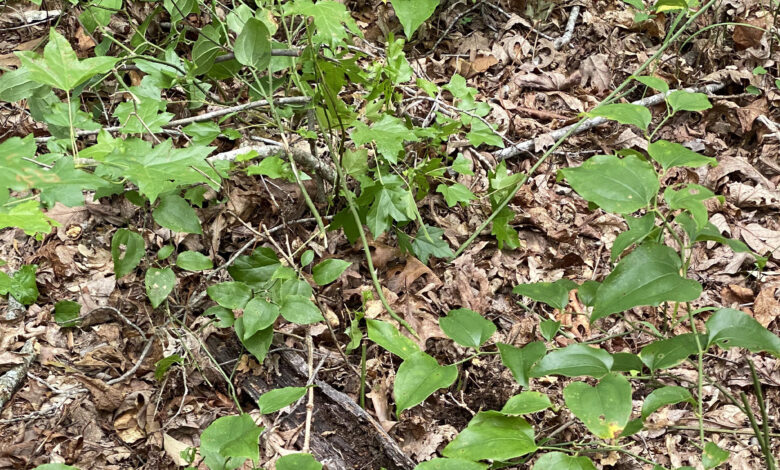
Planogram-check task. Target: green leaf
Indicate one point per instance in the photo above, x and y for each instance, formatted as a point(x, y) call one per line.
point(134, 249)
point(193, 261)
point(653, 82)
point(713, 456)
point(549, 328)
point(164, 252)
point(225, 316)
point(66, 184)
point(561, 461)
point(492, 435)
point(626, 362)
point(681, 100)
point(206, 48)
point(413, 13)
point(521, 360)
point(159, 283)
point(417, 378)
point(575, 360)
point(624, 113)
point(259, 314)
point(621, 185)
point(22, 285)
point(162, 366)
point(329, 270)
point(450, 464)
point(60, 67)
point(329, 18)
point(430, 244)
point(690, 198)
point(605, 409)
point(506, 236)
point(230, 294)
point(708, 233)
point(389, 204)
point(638, 229)
point(467, 327)
point(16, 85)
point(671, 154)
point(259, 343)
point(253, 45)
point(98, 13)
point(670, 5)
point(455, 193)
point(55, 466)
point(525, 403)
point(179, 9)
point(663, 396)
point(298, 462)
point(202, 133)
point(462, 165)
point(175, 213)
point(274, 400)
point(587, 292)
point(555, 294)
point(388, 134)
point(729, 328)
point(229, 441)
point(272, 167)
point(388, 336)
point(481, 133)
point(649, 275)
point(300, 310)
point(307, 257)
point(66, 313)
point(666, 353)
point(257, 268)
point(28, 217)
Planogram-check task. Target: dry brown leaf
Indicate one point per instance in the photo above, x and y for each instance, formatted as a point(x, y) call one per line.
point(594, 70)
point(762, 240)
point(766, 308)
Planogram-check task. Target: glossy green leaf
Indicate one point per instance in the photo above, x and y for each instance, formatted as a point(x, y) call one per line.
point(586, 292)
point(621, 185)
point(450, 464)
point(298, 462)
point(134, 249)
point(329, 270)
point(575, 360)
point(229, 441)
point(66, 313)
point(549, 328)
point(663, 396)
point(521, 360)
point(413, 13)
point(418, 377)
point(672, 154)
point(666, 353)
point(467, 327)
point(526, 402)
point(713, 456)
point(729, 328)
point(300, 310)
point(276, 399)
point(605, 409)
point(159, 283)
point(492, 435)
point(193, 261)
point(555, 294)
point(230, 294)
point(653, 82)
point(259, 314)
point(624, 113)
point(681, 100)
point(690, 198)
point(388, 336)
point(259, 343)
point(626, 362)
point(257, 268)
point(175, 213)
point(561, 461)
point(638, 229)
point(649, 275)
point(253, 45)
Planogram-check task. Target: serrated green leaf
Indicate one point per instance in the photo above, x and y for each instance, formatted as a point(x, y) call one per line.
point(624, 113)
point(663, 396)
point(67, 184)
point(202, 133)
point(418, 377)
point(621, 185)
point(681, 100)
point(388, 134)
point(388, 336)
point(525, 403)
point(521, 360)
point(133, 252)
point(555, 294)
point(253, 45)
point(329, 18)
point(276, 399)
point(462, 165)
point(575, 360)
point(467, 327)
point(671, 154)
point(175, 213)
point(193, 261)
point(17, 85)
point(559, 460)
point(455, 193)
point(159, 283)
point(492, 435)
point(329, 270)
point(430, 242)
point(605, 409)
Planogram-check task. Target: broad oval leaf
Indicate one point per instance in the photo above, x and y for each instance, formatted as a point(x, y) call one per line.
point(667, 353)
point(730, 328)
point(713, 456)
point(134, 251)
point(555, 294)
point(526, 402)
point(663, 396)
point(605, 409)
point(450, 464)
point(621, 185)
point(259, 343)
point(276, 399)
point(175, 213)
point(256, 268)
point(682, 100)
point(492, 435)
point(253, 45)
point(259, 314)
point(575, 360)
point(159, 283)
point(230, 294)
point(559, 460)
point(329, 270)
point(388, 336)
point(638, 229)
point(298, 462)
point(521, 360)
point(66, 312)
point(418, 377)
point(230, 438)
point(671, 154)
point(649, 275)
point(193, 261)
point(624, 113)
point(653, 82)
point(300, 310)
point(467, 327)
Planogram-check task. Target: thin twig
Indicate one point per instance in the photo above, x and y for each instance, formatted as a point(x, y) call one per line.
point(310, 403)
point(563, 40)
point(137, 365)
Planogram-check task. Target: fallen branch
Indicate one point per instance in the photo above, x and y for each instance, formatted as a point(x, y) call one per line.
point(528, 145)
point(563, 40)
point(12, 380)
point(301, 157)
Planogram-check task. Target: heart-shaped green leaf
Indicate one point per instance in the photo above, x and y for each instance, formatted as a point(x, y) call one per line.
point(520, 360)
point(492, 435)
point(253, 45)
point(605, 409)
point(467, 327)
point(413, 13)
point(663, 396)
point(159, 283)
point(418, 377)
point(555, 294)
point(729, 328)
